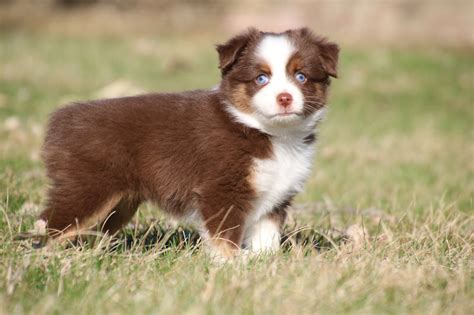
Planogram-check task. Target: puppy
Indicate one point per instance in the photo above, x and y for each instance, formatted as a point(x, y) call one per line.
point(230, 159)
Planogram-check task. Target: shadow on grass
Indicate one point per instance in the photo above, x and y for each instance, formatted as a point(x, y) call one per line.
point(164, 237)
point(184, 238)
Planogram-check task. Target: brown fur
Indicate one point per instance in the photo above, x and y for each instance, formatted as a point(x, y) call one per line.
point(182, 151)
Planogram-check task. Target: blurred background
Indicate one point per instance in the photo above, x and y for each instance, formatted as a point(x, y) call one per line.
point(397, 22)
point(400, 126)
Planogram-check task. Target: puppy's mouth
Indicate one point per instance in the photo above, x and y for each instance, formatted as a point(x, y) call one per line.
point(286, 114)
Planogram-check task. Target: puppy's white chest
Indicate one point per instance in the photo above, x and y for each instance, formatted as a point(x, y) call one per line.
point(282, 175)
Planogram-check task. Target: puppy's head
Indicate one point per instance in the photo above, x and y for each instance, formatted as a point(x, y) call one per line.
point(277, 79)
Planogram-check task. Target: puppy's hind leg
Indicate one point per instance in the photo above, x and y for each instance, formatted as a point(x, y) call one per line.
point(120, 215)
point(69, 212)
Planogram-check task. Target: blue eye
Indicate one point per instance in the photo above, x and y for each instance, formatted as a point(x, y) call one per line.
point(262, 79)
point(300, 77)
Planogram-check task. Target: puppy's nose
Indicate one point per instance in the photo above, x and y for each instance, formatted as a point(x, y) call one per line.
point(284, 99)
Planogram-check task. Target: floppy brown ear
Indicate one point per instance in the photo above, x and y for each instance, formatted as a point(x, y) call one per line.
point(231, 50)
point(329, 54)
point(328, 51)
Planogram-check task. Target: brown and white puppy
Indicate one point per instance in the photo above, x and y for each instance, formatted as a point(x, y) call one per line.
point(231, 159)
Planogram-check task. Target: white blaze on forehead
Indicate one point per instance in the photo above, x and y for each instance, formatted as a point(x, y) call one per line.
point(276, 51)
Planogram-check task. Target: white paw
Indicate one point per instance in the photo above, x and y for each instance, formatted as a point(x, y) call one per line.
point(263, 236)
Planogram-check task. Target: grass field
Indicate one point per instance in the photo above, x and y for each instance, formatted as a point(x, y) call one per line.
point(396, 160)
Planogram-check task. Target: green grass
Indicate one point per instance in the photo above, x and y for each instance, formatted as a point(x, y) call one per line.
point(395, 157)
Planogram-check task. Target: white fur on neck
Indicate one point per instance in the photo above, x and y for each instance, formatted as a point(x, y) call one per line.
point(284, 174)
point(281, 176)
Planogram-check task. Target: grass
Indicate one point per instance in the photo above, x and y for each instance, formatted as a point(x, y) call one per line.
point(395, 161)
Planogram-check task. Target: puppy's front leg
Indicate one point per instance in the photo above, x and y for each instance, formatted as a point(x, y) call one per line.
point(264, 235)
point(224, 226)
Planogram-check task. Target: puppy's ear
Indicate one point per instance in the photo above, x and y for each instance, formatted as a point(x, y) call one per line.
point(328, 52)
point(232, 49)
point(329, 55)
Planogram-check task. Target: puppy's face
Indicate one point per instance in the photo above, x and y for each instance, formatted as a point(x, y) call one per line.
point(277, 79)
